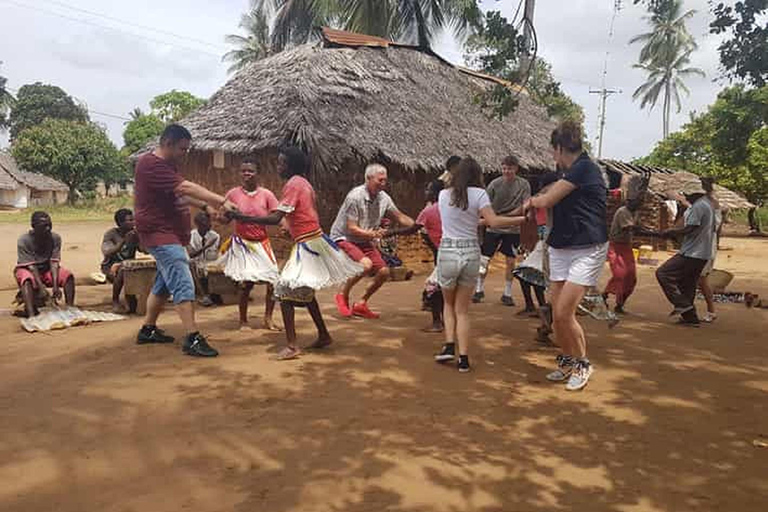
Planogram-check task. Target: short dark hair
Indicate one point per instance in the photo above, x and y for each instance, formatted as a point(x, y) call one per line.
point(249, 161)
point(437, 186)
point(38, 216)
point(567, 136)
point(296, 160)
point(708, 183)
point(121, 214)
point(452, 160)
point(173, 133)
point(511, 161)
point(202, 216)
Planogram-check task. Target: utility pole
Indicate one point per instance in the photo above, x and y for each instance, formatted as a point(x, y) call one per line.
point(604, 93)
point(528, 42)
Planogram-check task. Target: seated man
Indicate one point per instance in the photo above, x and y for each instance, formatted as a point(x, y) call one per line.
point(119, 244)
point(39, 254)
point(203, 248)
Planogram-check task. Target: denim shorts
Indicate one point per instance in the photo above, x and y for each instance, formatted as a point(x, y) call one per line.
point(173, 276)
point(458, 263)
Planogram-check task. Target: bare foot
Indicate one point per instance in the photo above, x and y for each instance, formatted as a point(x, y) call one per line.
point(270, 326)
point(245, 328)
point(119, 309)
point(288, 353)
point(320, 343)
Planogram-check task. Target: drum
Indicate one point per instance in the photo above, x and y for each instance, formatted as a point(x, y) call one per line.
point(138, 278)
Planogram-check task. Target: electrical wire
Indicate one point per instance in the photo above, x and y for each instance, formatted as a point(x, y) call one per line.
point(106, 27)
point(94, 112)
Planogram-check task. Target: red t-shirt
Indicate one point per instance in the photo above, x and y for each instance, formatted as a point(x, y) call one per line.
point(162, 217)
point(430, 219)
point(254, 204)
point(298, 202)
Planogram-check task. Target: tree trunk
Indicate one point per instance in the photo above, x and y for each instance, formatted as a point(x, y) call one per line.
point(754, 220)
point(667, 104)
point(72, 196)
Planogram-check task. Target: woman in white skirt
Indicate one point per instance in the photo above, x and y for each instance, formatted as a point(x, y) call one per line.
point(462, 206)
point(315, 261)
point(247, 257)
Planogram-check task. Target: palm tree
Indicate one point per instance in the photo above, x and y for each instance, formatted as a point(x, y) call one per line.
point(666, 77)
point(668, 31)
point(410, 21)
point(6, 103)
point(665, 56)
point(255, 45)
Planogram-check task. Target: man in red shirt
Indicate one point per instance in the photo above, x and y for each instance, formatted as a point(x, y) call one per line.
point(162, 198)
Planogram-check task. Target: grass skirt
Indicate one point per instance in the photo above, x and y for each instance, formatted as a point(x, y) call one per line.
point(316, 262)
point(247, 260)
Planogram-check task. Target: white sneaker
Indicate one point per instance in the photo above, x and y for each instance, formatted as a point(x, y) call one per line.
point(709, 318)
point(582, 371)
point(564, 369)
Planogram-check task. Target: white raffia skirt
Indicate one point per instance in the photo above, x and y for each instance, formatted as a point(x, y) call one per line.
point(316, 262)
point(247, 260)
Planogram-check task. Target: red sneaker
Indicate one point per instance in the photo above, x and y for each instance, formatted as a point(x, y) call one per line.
point(342, 306)
point(361, 309)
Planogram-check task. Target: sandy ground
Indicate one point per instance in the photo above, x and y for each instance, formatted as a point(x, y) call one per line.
point(90, 421)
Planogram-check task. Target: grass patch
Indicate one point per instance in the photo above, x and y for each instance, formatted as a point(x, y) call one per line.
point(740, 217)
point(93, 210)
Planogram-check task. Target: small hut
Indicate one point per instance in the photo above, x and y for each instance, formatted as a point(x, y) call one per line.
point(655, 214)
point(21, 189)
point(353, 99)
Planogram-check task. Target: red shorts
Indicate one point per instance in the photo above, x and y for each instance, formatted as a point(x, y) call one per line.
point(359, 251)
point(24, 274)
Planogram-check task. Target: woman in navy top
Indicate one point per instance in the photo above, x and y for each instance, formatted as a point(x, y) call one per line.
point(578, 247)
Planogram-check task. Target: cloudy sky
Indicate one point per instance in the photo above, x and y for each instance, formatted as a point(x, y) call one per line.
point(116, 56)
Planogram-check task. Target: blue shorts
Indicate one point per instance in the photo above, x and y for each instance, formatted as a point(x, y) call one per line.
point(173, 275)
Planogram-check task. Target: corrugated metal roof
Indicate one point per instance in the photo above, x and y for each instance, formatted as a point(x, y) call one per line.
point(344, 38)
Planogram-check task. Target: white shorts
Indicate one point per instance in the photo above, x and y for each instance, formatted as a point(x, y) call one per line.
point(579, 266)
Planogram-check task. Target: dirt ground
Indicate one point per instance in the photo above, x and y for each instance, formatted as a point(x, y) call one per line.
point(91, 421)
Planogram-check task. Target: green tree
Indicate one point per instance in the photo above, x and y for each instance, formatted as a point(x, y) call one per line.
point(495, 49)
point(408, 21)
point(255, 44)
point(728, 141)
point(547, 92)
point(37, 102)
point(744, 53)
point(139, 131)
point(77, 153)
point(174, 105)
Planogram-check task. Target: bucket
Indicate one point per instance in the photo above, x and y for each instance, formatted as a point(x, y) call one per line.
point(719, 280)
point(645, 252)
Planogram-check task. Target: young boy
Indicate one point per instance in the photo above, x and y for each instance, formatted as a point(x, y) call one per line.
point(118, 245)
point(38, 265)
point(203, 248)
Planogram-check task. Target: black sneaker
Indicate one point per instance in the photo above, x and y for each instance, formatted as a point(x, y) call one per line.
point(196, 345)
point(151, 334)
point(448, 353)
point(463, 364)
point(507, 300)
point(478, 297)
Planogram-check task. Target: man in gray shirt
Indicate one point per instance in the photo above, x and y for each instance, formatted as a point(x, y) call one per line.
point(357, 230)
point(508, 192)
point(679, 275)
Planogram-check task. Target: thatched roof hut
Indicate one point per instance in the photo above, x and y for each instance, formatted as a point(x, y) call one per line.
point(356, 97)
point(20, 189)
point(665, 180)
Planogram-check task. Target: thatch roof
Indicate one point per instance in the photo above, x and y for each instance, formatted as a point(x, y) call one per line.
point(30, 179)
point(665, 180)
point(367, 101)
point(6, 179)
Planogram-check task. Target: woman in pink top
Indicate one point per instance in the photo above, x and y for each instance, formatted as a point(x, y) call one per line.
point(248, 258)
point(315, 261)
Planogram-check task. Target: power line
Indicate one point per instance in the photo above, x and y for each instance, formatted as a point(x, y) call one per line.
point(133, 24)
point(603, 91)
point(94, 112)
point(106, 27)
